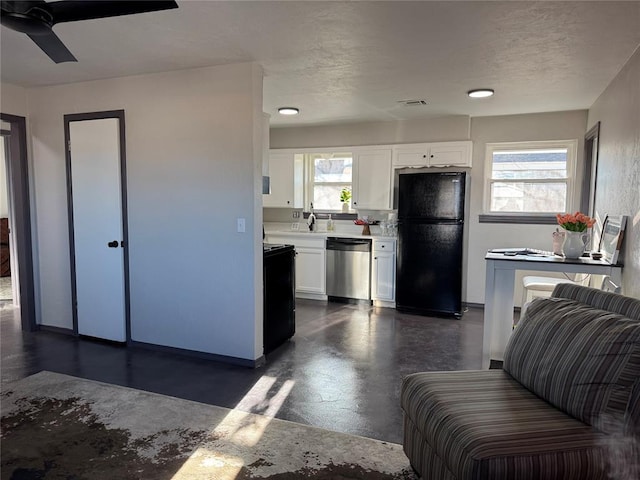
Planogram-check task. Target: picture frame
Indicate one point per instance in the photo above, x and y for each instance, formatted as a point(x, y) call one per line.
point(611, 237)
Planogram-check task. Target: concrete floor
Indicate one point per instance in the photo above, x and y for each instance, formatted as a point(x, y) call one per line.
point(341, 371)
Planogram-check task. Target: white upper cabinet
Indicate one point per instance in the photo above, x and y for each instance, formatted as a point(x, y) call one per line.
point(441, 154)
point(285, 172)
point(416, 155)
point(372, 179)
point(372, 174)
point(450, 154)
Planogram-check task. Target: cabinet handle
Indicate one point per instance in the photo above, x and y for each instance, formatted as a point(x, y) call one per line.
point(424, 156)
point(375, 258)
point(355, 203)
point(431, 156)
point(288, 202)
point(381, 246)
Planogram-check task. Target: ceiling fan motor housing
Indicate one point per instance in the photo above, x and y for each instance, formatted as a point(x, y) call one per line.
point(35, 18)
point(32, 18)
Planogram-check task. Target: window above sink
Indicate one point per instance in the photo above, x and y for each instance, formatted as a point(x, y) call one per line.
point(328, 175)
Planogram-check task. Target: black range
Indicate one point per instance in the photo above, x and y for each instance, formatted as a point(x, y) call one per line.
point(279, 295)
point(272, 248)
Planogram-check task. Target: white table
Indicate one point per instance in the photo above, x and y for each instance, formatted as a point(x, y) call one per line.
point(499, 291)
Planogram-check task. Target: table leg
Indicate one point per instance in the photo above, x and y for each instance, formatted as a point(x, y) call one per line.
point(503, 312)
point(616, 275)
point(498, 312)
point(489, 307)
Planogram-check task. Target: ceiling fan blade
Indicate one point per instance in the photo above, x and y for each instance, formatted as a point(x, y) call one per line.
point(53, 46)
point(75, 10)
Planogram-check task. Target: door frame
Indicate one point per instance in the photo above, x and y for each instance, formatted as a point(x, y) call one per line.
point(78, 117)
point(590, 172)
point(18, 176)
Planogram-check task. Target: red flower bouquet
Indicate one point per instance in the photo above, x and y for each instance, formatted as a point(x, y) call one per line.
point(575, 222)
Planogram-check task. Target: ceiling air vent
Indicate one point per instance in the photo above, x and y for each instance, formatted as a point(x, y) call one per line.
point(412, 103)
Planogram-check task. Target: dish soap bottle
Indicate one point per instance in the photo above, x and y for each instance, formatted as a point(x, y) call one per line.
point(329, 224)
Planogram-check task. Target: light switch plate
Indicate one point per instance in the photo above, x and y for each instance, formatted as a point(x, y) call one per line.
point(241, 225)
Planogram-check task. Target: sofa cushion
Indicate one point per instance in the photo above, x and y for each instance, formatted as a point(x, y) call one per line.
point(578, 358)
point(484, 424)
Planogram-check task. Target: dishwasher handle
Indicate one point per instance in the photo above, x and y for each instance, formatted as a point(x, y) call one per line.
point(349, 244)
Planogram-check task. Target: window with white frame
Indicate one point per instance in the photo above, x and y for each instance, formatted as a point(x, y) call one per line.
point(328, 175)
point(529, 178)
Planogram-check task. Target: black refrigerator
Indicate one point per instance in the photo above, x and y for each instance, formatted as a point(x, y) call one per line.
point(430, 230)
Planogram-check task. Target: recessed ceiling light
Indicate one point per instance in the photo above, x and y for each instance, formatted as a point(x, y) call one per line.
point(288, 111)
point(480, 93)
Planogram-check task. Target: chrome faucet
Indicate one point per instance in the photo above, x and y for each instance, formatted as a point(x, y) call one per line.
point(311, 221)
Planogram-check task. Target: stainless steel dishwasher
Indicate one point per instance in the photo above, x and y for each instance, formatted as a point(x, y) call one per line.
point(348, 269)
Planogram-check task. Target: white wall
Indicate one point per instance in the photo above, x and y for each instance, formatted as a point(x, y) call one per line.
point(481, 130)
point(192, 170)
point(13, 99)
point(482, 236)
point(373, 133)
point(617, 190)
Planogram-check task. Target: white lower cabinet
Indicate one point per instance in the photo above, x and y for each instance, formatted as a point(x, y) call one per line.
point(311, 266)
point(383, 271)
point(310, 270)
point(310, 262)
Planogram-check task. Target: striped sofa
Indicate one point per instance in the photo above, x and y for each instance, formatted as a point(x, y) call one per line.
point(566, 404)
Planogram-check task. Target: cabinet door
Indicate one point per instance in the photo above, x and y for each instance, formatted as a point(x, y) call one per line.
point(383, 273)
point(372, 180)
point(281, 177)
point(446, 154)
point(310, 270)
point(285, 172)
point(411, 156)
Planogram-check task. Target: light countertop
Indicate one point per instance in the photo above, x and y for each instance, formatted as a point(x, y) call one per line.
point(307, 234)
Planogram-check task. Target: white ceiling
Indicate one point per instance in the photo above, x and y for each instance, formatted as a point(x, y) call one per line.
point(353, 61)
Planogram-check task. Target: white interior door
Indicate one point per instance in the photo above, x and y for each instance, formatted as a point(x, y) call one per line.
point(97, 224)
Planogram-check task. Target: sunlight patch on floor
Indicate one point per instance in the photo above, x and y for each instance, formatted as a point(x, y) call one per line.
point(215, 464)
point(265, 399)
point(244, 429)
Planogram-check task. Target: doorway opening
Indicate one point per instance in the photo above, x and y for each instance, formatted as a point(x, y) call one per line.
point(15, 235)
point(7, 286)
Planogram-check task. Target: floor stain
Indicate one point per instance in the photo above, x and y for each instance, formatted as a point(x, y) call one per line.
point(63, 439)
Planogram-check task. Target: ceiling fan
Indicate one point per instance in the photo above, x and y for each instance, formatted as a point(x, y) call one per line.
point(36, 18)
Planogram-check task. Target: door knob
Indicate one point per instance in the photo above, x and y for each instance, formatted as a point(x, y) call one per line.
point(113, 244)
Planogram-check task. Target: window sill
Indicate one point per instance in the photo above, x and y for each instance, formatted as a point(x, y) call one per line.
point(544, 219)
